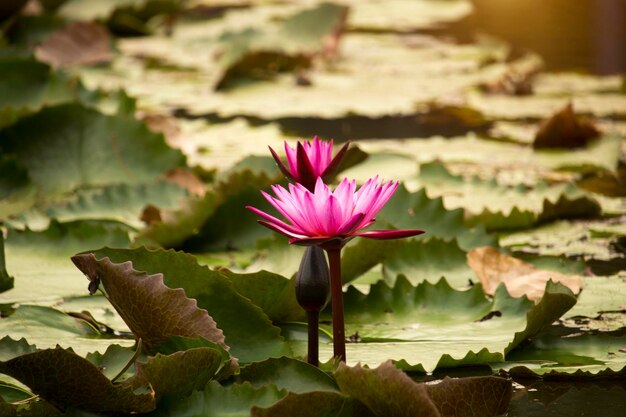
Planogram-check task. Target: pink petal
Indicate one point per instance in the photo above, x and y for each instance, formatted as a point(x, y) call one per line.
point(280, 230)
point(273, 220)
point(350, 225)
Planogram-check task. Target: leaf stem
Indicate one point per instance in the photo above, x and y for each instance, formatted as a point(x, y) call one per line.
point(339, 338)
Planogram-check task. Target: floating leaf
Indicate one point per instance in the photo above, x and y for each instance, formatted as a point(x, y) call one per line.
point(11, 348)
point(248, 331)
point(26, 85)
point(252, 53)
point(67, 380)
point(71, 146)
point(275, 294)
point(386, 391)
point(47, 327)
point(179, 374)
point(421, 259)
point(53, 276)
point(432, 325)
point(219, 401)
point(123, 202)
point(286, 373)
point(171, 228)
point(313, 404)
point(165, 312)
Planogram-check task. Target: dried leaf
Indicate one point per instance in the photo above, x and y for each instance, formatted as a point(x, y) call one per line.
point(565, 129)
point(151, 310)
point(80, 43)
point(520, 278)
point(472, 396)
point(186, 179)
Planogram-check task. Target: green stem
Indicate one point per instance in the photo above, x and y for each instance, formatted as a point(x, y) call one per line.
point(313, 356)
point(339, 337)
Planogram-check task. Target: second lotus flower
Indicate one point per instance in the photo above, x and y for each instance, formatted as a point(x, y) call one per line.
point(324, 217)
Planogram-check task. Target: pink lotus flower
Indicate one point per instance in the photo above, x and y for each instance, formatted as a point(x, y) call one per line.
point(323, 217)
point(309, 161)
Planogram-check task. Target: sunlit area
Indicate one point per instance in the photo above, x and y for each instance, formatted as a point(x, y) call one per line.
point(354, 208)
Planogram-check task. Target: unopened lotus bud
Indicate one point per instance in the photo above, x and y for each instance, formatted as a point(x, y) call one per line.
point(313, 280)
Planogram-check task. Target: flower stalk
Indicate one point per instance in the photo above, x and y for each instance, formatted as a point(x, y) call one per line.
point(339, 336)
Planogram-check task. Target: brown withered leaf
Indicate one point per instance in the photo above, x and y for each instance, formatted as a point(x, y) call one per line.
point(386, 390)
point(186, 179)
point(162, 123)
point(151, 310)
point(565, 129)
point(520, 278)
point(80, 43)
point(471, 396)
point(65, 379)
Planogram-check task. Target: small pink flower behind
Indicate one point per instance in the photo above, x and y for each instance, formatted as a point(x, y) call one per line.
point(309, 161)
point(325, 217)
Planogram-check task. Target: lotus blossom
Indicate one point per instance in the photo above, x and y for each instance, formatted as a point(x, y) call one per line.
point(309, 161)
point(324, 217)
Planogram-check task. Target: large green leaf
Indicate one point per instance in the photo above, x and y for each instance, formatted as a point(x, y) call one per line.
point(248, 331)
point(123, 202)
point(286, 373)
point(40, 261)
point(572, 353)
point(499, 207)
point(420, 259)
point(219, 401)
point(70, 146)
point(26, 85)
point(275, 294)
point(313, 404)
point(432, 325)
point(47, 327)
point(257, 54)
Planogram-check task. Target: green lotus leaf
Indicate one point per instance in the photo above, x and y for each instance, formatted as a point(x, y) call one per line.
point(177, 225)
point(274, 294)
point(568, 354)
point(53, 277)
point(431, 326)
point(71, 146)
point(46, 327)
point(248, 331)
point(219, 401)
point(286, 373)
point(314, 404)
